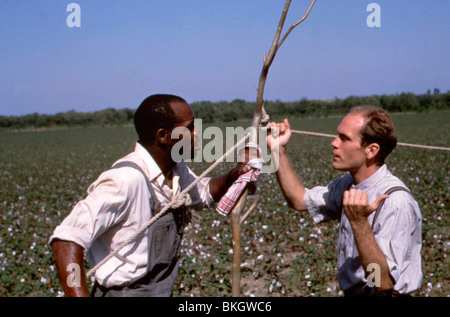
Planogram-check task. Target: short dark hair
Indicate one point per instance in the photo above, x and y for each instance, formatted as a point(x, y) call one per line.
point(379, 129)
point(153, 114)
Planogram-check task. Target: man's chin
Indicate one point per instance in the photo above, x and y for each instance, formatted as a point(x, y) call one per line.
point(337, 167)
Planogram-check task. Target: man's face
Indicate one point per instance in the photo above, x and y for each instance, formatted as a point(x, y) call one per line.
point(185, 122)
point(349, 155)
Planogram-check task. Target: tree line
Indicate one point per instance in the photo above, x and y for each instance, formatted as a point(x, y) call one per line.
point(225, 111)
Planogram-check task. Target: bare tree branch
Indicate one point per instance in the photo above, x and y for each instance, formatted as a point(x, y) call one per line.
point(236, 231)
point(268, 59)
point(296, 24)
point(274, 47)
point(257, 117)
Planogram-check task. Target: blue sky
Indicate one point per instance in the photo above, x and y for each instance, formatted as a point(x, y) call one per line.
point(212, 50)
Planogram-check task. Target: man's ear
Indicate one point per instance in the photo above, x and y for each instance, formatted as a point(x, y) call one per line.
point(372, 150)
point(162, 136)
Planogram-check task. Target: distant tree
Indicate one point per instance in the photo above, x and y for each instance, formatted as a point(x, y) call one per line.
point(230, 115)
point(446, 100)
point(396, 105)
point(437, 99)
point(204, 110)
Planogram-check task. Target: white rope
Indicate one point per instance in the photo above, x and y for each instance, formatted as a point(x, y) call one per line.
point(175, 201)
point(180, 198)
point(429, 147)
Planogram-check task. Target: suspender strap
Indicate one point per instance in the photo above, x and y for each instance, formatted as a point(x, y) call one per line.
point(388, 192)
point(149, 185)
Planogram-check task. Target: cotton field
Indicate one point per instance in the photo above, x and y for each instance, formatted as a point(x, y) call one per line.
point(44, 174)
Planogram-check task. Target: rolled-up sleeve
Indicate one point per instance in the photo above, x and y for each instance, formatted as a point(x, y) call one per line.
point(200, 194)
point(102, 208)
point(207, 199)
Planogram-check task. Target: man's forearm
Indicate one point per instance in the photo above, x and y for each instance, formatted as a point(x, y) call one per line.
point(292, 188)
point(69, 259)
point(218, 186)
point(370, 252)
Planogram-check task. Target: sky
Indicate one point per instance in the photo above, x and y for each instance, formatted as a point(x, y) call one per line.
point(212, 50)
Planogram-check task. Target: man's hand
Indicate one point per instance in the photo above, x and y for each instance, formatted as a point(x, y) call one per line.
point(281, 132)
point(218, 186)
point(356, 205)
point(239, 170)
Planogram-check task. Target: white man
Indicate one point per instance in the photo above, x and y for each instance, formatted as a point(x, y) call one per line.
point(387, 246)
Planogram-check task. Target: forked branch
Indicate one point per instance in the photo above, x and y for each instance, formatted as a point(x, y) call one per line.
point(268, 59)
point(296, 24)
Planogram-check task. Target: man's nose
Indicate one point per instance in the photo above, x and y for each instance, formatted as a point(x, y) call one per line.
point(334, 143)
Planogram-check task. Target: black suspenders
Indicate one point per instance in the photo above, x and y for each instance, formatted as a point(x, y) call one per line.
point(377, 211)
point(388, 192)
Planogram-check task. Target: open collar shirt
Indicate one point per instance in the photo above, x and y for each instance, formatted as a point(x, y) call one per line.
point(119, 203)
point(397, 231)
